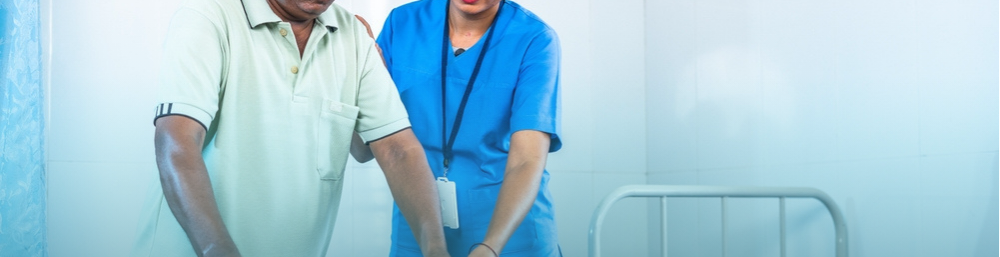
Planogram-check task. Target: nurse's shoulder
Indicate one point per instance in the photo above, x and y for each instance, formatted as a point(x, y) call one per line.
point(526, 22)
point(415, 13)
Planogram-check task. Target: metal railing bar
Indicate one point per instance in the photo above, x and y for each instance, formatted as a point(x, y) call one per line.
point(663, 226)
point(781, 208)
point(724, 226)
point(840, 227)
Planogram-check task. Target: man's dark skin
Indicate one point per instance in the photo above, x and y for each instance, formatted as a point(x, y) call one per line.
point(188, 189)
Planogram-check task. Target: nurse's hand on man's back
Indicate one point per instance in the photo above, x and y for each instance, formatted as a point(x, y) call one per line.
point(369, 28)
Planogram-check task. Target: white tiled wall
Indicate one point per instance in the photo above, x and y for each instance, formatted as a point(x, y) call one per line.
point(603, 119)
point(93, 207)
point(103, 64)
point(363, 227)
point(888, 106)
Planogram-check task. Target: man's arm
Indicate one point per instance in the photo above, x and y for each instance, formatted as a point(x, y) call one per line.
point(361, 152)
point(412, 184)
point(525, 164)
point(187, 188)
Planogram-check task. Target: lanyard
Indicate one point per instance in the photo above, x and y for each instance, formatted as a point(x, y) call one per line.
point(448, 142)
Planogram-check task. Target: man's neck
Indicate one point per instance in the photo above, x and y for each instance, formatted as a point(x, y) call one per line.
point(301, 26)
point(285, 15)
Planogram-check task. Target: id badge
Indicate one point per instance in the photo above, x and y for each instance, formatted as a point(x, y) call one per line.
point(449, 203)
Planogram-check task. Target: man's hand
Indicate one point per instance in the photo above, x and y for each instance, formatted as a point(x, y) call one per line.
point(412, 184)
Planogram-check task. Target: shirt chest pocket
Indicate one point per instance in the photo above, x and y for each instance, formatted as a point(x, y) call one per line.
point(334, 130)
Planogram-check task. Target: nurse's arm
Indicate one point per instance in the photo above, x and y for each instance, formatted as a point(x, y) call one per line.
point(186, 186)
point(525, 164)
point(412, 184)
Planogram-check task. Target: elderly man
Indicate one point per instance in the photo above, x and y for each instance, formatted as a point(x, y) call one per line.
point(259, 101)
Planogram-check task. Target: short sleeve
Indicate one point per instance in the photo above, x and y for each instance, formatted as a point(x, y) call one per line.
point(381, 111)
point(191, 68)
point(536, 103)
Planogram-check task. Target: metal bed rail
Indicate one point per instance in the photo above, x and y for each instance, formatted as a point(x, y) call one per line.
point(724, 192)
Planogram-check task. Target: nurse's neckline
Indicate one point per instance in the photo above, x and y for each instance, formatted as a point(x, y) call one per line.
point(465, 29)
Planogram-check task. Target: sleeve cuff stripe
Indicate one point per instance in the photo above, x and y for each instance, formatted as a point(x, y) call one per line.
point(378, 133)
point(178, 114)
point(160, 109)
point(186, 110)
point(393, 133)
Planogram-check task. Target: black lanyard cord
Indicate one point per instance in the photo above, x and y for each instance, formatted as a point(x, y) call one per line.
point(450, 141)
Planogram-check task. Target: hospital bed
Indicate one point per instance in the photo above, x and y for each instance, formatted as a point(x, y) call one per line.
point(724, 192)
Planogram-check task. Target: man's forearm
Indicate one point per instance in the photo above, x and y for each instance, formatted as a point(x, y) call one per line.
point(192, 202)
point(412, 184)
point(188, 189)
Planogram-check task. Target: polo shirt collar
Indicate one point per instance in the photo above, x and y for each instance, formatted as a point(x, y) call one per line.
point(329, 19)
point(258, 12)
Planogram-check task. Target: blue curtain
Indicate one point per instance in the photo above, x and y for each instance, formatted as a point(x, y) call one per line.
point(22, 174)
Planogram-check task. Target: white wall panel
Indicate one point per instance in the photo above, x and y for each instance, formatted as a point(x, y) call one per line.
point(888, 106)
point(671, 79)
point(93, 208)
point(956, 45)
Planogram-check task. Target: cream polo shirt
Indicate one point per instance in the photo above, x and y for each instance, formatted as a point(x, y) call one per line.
point(278, 126)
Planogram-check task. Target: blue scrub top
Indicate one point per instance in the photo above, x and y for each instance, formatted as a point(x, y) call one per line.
point(517, 89)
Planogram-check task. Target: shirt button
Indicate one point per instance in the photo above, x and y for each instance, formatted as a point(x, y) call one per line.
point(295, 69)
point(283, 32)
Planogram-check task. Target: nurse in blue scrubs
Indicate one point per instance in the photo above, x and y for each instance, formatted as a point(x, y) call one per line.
point(480, 80)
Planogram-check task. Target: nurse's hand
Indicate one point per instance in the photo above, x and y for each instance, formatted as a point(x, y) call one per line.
point(481, 251)
point(369, 28)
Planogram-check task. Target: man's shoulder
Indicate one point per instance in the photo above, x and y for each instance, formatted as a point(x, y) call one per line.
point(214, 9)
point(338, 15)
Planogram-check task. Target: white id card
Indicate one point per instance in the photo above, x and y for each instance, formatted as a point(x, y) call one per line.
point(449, 202)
